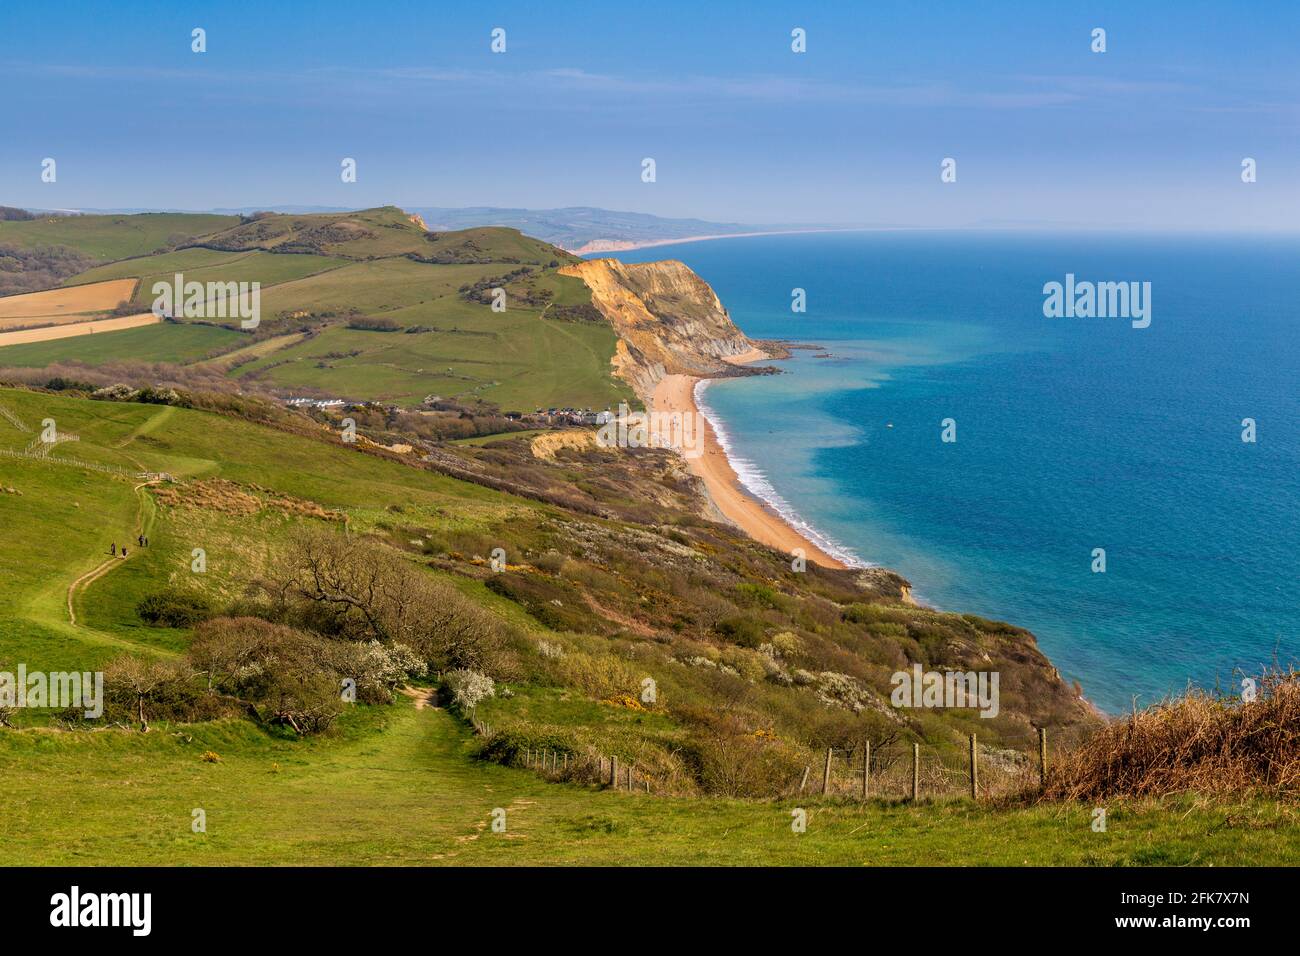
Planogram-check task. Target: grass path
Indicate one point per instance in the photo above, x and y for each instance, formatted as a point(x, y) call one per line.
point(399, 785)
point(256, 350)
point(142, 524)
point(146, 427)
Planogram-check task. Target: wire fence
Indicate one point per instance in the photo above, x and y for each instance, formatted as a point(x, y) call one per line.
point(896, 771)
point(900, 770)
point(8, 415)
point(589, 767)
point(70, 462)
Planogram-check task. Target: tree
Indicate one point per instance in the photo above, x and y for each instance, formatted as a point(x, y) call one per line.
point(360, 591)
point(140, 684)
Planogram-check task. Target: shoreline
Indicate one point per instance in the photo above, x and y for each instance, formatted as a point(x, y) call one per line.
point(736, 503)
point(601, 246)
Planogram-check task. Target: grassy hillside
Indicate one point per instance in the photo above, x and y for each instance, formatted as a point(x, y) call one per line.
point(207, 265)
point(152, 343)
point(379, 234)
point(610, 576)
point(592, 567)
point(112, 237)
point(321, 274)
point(403, 787)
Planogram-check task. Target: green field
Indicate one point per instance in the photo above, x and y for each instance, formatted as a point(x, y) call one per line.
point(515, 359)
point(207, 265)
point(166, 342)
point(76, 514)
point(396, 784)
point(375, 264)
point(112, 237)
point(401, 786)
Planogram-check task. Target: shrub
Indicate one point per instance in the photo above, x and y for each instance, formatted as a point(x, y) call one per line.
point(786, 644)
point(1200, 742)
point(287, 677)
point(554, 602)
point(138, 691)
point(175, 607)
point(378, 668)
point(551, 561)
point(730, 759)
point(600, 677)
point(340, 587)
point(468, 689)
point(759, 595)
point(373, 324)
point(744, 631)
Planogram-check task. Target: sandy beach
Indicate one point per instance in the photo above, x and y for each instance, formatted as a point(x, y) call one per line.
point(676, 393)
point(624, 245)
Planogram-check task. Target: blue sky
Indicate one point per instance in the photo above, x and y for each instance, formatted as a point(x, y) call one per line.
point(1149, 134)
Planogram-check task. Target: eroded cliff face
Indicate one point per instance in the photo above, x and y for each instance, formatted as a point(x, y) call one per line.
point(668, 320)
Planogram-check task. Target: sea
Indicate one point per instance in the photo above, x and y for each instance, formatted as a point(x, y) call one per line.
point(1131, 495)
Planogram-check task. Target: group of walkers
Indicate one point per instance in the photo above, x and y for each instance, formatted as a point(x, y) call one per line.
point(141, 540)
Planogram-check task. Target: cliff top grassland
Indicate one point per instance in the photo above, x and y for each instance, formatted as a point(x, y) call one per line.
point(599, 589)
point(508, 613)
point(366, 306)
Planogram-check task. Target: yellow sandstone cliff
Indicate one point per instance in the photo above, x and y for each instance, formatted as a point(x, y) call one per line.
point(668, 320)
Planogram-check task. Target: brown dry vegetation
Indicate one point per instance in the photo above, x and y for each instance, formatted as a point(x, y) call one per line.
point(1202, 743)
point(26, 270)
point(219, 494)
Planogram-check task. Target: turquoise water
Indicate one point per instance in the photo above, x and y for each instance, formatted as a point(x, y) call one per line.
point(1072, 434)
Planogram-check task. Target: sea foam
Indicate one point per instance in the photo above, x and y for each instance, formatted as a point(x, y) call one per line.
point(757, 484)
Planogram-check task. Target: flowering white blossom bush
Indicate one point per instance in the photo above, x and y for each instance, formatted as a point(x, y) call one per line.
point(391, 664)
point(468, 688)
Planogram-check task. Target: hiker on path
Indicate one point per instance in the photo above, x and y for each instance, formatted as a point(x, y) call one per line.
point(140, 538)
point(112, 548)
point(124, 551)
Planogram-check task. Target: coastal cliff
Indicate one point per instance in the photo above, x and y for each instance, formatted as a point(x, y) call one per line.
point(668, 320)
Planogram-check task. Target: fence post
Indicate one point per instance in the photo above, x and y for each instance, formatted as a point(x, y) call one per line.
point(866, 770)
point(826, 774)
point(629, 778)
point(1042, 758)
point(804, 782)
point(916, 770)
point(526, 755)
point(647, 784)
point(613, 773)
point(974, 770)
